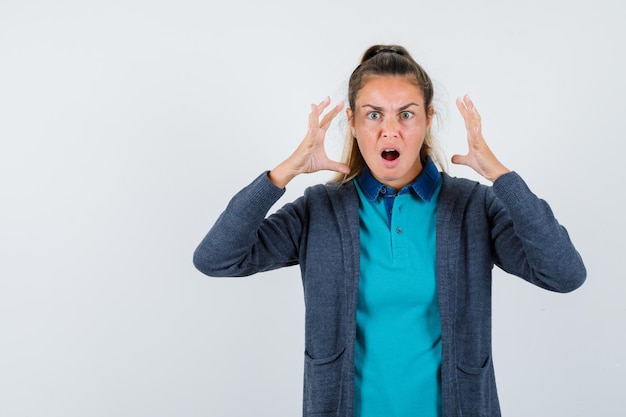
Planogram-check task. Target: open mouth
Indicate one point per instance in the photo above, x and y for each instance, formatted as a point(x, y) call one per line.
point(390, 154)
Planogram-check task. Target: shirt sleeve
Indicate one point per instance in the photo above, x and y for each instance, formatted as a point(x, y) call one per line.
point(528, 240)
point(243, 241)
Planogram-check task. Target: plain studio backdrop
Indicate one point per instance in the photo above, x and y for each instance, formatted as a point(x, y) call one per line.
point(126, 126)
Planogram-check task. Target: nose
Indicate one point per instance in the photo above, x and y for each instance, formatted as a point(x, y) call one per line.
point(390, 128)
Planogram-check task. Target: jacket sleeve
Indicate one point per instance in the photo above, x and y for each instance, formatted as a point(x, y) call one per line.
point(527, 239)
point(243, 241)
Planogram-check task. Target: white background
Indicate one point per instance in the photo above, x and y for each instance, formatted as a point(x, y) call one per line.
point(127, 125)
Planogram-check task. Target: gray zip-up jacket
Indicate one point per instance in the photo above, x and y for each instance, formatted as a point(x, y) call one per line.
point(477, 227)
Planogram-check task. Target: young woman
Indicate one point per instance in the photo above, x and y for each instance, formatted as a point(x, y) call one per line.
point(395, 256)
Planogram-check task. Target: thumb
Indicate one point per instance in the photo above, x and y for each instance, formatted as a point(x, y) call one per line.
point(339, 167)
point(459, 159)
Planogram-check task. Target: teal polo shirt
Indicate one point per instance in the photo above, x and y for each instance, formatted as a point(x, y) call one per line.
point(397, 358)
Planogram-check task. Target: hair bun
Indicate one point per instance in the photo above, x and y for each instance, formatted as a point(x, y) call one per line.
point(373, 52)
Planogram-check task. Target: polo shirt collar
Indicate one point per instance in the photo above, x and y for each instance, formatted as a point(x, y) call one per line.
point(424, 185)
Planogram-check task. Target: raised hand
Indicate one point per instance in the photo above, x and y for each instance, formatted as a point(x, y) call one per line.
point(310, 156)
point(479, 157)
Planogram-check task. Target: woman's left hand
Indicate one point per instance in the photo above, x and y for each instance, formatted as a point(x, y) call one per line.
point(479, 157)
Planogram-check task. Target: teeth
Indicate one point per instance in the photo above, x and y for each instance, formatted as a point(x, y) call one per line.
point(389, 150)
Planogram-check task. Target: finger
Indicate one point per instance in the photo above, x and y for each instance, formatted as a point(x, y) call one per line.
point(472, 111)
point(462, 108)
point(316, 112)
point(470, 116)
point(322, 105)
point(328, 118)
point(467, 108)
point(460, 104)
point(469, 104)
point(314, 116)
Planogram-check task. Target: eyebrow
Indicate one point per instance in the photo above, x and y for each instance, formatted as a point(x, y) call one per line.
point(377, 108)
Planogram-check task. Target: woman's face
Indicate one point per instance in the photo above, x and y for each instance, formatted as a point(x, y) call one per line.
point(390, 122)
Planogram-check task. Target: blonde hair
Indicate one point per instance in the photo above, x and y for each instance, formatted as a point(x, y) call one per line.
point(388, 60)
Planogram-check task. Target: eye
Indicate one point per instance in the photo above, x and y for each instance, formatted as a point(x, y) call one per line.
point(373, 115)
point(406, 115)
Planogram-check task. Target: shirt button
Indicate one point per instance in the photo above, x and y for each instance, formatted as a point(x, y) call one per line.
point(383, 190)
point(399, 230)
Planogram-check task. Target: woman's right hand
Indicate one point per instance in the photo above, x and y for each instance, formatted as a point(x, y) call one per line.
point(310, 156)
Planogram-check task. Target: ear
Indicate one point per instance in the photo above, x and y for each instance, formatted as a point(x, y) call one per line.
point(350, 116)
point(429, 115)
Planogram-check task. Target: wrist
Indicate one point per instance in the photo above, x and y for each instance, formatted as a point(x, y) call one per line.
point(498, 173)
point(280, 176)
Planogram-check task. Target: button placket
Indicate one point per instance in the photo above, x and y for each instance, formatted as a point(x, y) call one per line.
point(398, 239)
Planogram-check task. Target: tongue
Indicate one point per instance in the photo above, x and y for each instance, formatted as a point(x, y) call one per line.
point(390, 155)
